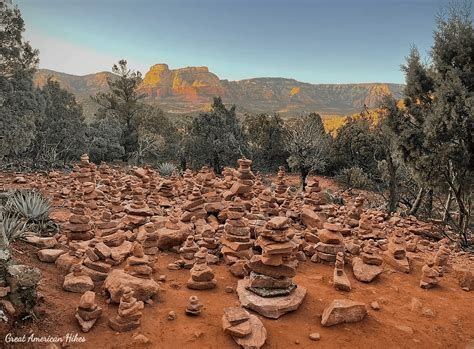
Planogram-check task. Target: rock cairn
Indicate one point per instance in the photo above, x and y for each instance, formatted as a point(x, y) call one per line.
point(331, 242)
point(236, 242)
point(194, 206)
point(194, 306)
point(243, 186)
point(340, 280)
point(88, 312)
point(430, 275)
point(129, 313)
point(396, 254)
point(77, 281)
point(367, 267)
point(271, 274)
point(138, 264)
point(280, 183)
point(202, 276)
point(79, 227)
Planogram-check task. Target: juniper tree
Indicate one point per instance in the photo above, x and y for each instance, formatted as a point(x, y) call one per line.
point(214, 138)
point(123, 102)
point(19, 100)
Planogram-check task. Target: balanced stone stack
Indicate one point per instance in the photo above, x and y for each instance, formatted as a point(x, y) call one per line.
point(270, 290)
point(115, 201)
point(77, 281)
point(88, 312)
point(236, 241)
point(202, 276)
point(280, 184)
point(355, 212)
point(396, 254)
point(441, 257)
point(268, 204)
point(129, 313)
point(138, 264)
point(258, 186)
point(166, 189)
point(138, 210)
point(186, 252)
point(367, 267)
point(90, 195)
point(430, 275)
point(340, 279)
point(194, 206)
point(331, 242)
point(194, 306)
point(245, 177)
point(150, 242)
point(79, 227)
point(84, 171)
point(106, 226)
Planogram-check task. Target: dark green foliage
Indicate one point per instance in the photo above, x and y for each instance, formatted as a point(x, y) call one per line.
point(60, 130)
point(435, 132)
point(104, 137)
point(214, 138)
point(265, 135)
point(355, 177)
point(19, 105)
point(123, 103)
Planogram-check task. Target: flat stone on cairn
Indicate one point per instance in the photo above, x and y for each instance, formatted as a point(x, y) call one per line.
point(150, 242)
point(340, 279)
point(138, 210)
point(87, 313)
point(270, 290)
point(202, 276)
point(129, 313)
point(194, 306)
point(247, 330)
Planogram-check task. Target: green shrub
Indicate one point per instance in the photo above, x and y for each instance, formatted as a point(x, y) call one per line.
point(354, 177)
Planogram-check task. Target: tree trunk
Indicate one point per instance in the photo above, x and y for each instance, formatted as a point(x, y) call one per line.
point(429, 204)
point(303, 175)
point(393, 193)
point(417, 203)
point(447, 206)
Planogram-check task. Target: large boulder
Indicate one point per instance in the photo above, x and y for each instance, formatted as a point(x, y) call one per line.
point(312, 219)
point(343, 311)
point(117, 280)
point(167, 238)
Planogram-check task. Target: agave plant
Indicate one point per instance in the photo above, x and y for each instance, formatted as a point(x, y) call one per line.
point(30, 204)
point(166, 169)
point(12, 227)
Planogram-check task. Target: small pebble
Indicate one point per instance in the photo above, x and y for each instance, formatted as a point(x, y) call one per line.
point(315, 336)
point(375, 305)
point(162, 278)
point(297, 342)
point(171, 315)
point(229, 289)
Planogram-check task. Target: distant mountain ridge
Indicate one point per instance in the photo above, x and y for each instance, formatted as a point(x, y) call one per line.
point(191, 89)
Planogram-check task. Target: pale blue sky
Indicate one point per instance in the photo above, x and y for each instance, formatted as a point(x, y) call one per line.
point(319, 41)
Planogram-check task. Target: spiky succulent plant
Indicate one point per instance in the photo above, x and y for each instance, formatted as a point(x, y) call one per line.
point(166, 169)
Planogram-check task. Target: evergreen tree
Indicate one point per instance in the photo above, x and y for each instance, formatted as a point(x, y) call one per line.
point(104, 136)
point(215, 138)
point(60, 130)
point(19, 100)
point(265, 135)
point(123, 102)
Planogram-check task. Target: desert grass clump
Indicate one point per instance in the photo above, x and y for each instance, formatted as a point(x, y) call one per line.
point(354, 177)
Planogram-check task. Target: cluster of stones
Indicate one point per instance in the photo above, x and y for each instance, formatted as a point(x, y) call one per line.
point(129, 313)
point(340, 280)
point(280, 183)
point(88, 312)
point(84, 171)
point(194, 306)
point(79, 227)
point(247, 330)
point(138, 264)
point(194, 206)
point(429, 275)
point(270, 290)
point(367, 267)
point(396, 255)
